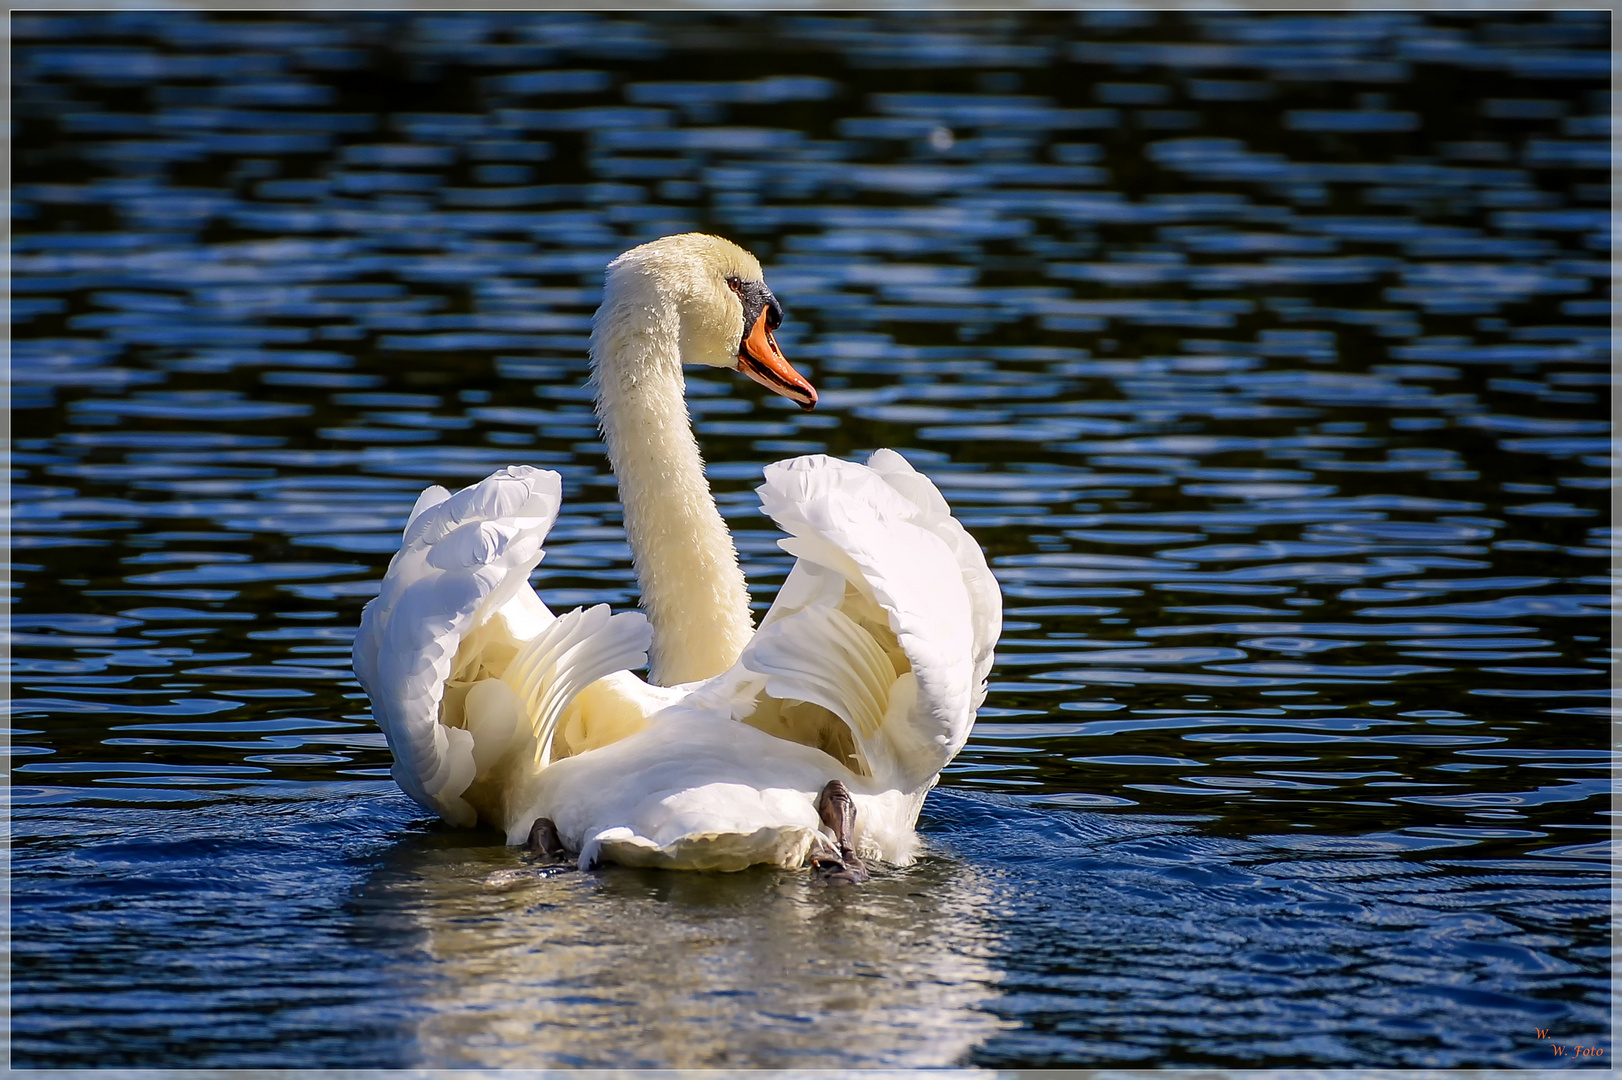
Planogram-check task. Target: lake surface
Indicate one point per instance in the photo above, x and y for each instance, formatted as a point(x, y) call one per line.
point(1267, 357)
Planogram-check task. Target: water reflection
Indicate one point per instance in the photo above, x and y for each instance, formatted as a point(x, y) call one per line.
point(532, 966)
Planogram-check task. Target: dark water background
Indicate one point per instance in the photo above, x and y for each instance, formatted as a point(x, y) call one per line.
point(1267, 356)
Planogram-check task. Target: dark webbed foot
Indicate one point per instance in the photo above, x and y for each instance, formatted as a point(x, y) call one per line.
point(544, 840)
point(850, 872)
point(838, 812)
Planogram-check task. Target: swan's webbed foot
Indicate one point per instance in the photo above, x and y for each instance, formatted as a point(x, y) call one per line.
point(544, 840)
point(838, 861)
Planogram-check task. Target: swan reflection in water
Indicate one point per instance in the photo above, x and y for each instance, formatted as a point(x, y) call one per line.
point(524, 965)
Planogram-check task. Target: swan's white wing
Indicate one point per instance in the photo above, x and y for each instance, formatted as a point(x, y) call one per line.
point(579, 648)
point(463, 558)
point(888, 619)
point(985, 597)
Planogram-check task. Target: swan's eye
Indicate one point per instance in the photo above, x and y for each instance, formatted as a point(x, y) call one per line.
point(735, 285)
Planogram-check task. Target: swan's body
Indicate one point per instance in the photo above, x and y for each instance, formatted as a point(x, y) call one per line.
point(867, 670)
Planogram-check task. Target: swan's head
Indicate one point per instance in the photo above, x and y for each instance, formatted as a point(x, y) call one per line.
point(717, 294)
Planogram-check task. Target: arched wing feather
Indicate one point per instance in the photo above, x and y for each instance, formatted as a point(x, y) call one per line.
point(883, 570)
point(985, 597)
point(463, 556)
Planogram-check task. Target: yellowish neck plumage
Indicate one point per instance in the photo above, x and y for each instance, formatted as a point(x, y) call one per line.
point(692, 587)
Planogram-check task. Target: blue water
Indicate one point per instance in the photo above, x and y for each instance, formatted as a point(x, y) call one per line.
point(1266, 355)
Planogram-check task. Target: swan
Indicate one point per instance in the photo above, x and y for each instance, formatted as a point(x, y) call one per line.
point(811, 739)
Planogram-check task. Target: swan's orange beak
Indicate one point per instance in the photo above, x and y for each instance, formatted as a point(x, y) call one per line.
point(761, 360)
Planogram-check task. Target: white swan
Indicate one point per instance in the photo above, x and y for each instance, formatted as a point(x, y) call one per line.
point(815, 737)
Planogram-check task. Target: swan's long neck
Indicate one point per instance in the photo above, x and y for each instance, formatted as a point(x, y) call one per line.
point(692, 587)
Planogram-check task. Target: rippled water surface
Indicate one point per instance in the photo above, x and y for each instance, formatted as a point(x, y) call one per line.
point(1267, 357)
